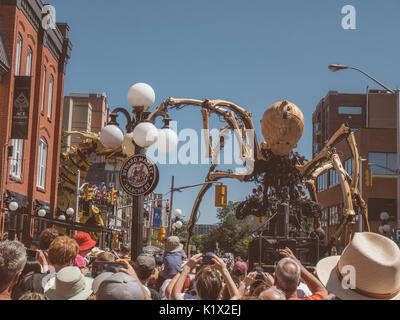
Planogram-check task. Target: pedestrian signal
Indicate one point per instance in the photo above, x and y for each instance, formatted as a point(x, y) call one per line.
point(260, 220)
point(368, 178)
point(221, 193)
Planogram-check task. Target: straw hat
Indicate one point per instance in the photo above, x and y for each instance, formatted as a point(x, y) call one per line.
point(376, 262)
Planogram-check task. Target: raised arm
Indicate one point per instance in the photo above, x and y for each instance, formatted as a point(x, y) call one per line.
point(312, 282)
point(221, 266)
point(191, 264)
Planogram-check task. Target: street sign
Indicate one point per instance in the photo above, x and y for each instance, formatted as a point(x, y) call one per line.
point(396, 236)
point(139, 175)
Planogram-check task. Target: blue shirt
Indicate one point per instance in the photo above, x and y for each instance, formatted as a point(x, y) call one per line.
point(172, 263)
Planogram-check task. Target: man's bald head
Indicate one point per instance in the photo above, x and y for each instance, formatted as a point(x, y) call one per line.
point(287, 274)
point(272, 294)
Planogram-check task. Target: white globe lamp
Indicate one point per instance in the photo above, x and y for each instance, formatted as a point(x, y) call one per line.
point(62, 217)
point(381, 230)
point(13, 206)
point(386, 228)
point(70, 212)
point(178, 224)
point(111, 137)
point(167, 140)
point(42, 213)
point(178, 213)
point(384, 216)
point(145, 134)
point(141, 95)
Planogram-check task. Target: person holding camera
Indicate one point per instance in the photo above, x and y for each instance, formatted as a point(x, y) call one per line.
point(208, 283)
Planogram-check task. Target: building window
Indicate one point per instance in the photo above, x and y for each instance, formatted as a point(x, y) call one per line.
point(42, 158)
point(16, 160)
point(322, 182)
point(334, 215)
point(388, 160)
point(350, 110)
point(348, 166)
point(333, 178)
point(29, 62)
point(18, 55)
point(43, 88)
point(50, 99)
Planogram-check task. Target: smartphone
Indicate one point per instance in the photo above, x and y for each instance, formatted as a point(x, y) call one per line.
point(31, 254)
point(98, 267)
point(207, 259)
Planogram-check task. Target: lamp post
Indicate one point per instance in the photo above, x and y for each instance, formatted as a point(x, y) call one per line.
point(141, 134)
point(337, 67)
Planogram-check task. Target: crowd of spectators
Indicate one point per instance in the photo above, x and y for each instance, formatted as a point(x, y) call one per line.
point(65, 268)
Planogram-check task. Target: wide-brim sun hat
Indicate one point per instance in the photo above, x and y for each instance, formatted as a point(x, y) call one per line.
point(173, 245)
point(69, 284)
point(374, 262)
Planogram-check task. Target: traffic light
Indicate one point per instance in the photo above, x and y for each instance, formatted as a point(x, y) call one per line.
point(114, 195)
point(89, 194)
point(260, 220)
point(161, 234)
point(221, 196)
point(167, 208)
point(368, 178)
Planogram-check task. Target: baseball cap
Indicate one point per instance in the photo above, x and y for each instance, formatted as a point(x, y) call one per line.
point(145, 262)
point(119, 286)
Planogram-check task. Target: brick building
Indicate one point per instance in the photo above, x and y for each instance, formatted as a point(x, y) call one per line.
point(84, 112)
point(38, 58)
point(372, 116)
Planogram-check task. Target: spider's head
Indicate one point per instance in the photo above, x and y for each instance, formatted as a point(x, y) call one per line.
point(282, 127)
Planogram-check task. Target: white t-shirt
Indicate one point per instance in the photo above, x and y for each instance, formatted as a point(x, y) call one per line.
point(163, 288)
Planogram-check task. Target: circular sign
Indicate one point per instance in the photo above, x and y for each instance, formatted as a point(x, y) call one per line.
point(138, 175)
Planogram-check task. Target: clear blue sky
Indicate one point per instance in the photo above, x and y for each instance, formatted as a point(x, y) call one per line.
point(253, 53)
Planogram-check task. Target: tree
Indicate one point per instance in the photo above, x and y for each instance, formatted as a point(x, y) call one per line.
point(232, 235)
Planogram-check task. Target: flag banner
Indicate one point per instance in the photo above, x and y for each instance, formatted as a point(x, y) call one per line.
point(20, 117)
point(157, 218)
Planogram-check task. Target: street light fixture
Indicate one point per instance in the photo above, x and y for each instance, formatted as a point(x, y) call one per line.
point(13, 206)
point(42, 213)
point(337, 67)
point(141, 134)
point(70, 212)
point(178, 213)
point(62, 217)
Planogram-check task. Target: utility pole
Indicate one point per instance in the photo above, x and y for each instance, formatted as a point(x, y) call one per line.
point(169, 214)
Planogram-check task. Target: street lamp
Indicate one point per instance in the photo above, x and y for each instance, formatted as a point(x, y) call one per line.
point(13, 206)
point(178, 213)
point(337, 67)
point(62, 217)
point(141, 134)
point(42, 213)
point(385, 227)
point(70, 212)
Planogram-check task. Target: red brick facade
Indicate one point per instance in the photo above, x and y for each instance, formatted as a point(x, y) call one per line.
point(50, 51)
